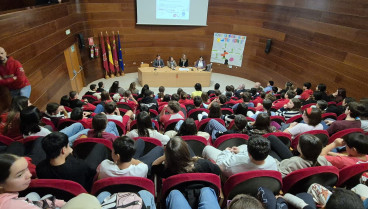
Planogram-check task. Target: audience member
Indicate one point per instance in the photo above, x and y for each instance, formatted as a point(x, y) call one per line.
point(133, 89)
point(100, 87)
point(307, 91)
point(291, 109)
point(198, 90)
point(312, 118)
point(173, 108)
point(29, 122)
point(10, 120)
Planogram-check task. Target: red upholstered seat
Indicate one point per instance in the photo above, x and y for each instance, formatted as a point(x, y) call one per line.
point(123, 184)
point(296, 118)
point(329, 115)
point(341, 117)
point(83, 146)
point(120, 126)
point(90, 98)
point(321, 134)
point(278, 119)
point(170, 125)
point(4, 140)
point(196, 143)
point(307, 106)
point(150, 143)
point(284, 137)
point(227, 111)
point(202, 124)
point(133, 125)
point(63, 123)
point(126, 105)
point(49, 122)
point(230, 140)
point(344, 133)
point(195, 112)
point(349, 176)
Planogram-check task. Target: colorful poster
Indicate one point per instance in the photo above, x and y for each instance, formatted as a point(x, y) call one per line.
point(228, 49)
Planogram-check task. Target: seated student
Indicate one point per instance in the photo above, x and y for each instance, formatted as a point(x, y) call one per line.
point(10, 120)
point(29, 122)
point(353, 111)
point(216, 129)
point(74, 100)
point(266, 108)
point(171, 63)
point(158, 62)
point(307, 91)
point(242, 109)
point(93, 91)
point(161, 93)
point(222, 100)
point(312, 118)
point(215, 111)
point(291, 109)
point(207, 200)
point(60, 164)
point(298, 92)
point(184, 99)
point(116, 90)
point(133, 89)
point(364, 115)
point(112, 112)
point(187, 127)
point(253, 156)
point(269, 86)
point(259, 99)
point(262, 125)
point(145, 129)
point(198, 90)
point(281, 102)
point(246, 97)
point(200, 64)
point(322, 88)
point(77, 114)
point(149, 100)
point(205, 99)
point(338, 96)
point(100, 87)
point(216, 87)
point(356, 148)
point(173, 108)
point(55, 112)
point(128, 98)
point(317, 95)
point(127, 159)
point(177, 159)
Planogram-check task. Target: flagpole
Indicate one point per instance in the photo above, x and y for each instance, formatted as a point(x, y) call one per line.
point(114, 54)
point(112, 70)
point(103, 50)
point(120, 55)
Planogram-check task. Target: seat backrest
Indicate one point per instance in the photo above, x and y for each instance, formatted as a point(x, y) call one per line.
point(196, 143)
point(329, 115)
point(248, 183)
point(6, 140)
point(284, 137)
point(170, 125)
point(306, 106)
point(120, 126)
point(123, 184)
point(65, 123)
point(90, 98)
point(344, 133)
point(230, 140)
point(125, 105)
point(83, 146)
point(350, 175)
point(49, 122)
point(227, 111)
point(252, 109)
point(321, 134)
point(149, 142)
point(278, 119)
point(202, 124)
point(195, 112)
point(61, 189)
point(296, 118)
point(341, 117)
point(299, 181)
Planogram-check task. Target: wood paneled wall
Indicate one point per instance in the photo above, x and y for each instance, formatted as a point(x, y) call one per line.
point(321, 41)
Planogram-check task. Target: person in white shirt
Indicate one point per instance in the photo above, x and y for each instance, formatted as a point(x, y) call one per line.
point(112, 112)
point(233, 160)
point(200, 64)
point(29, 122)
point(128, 159)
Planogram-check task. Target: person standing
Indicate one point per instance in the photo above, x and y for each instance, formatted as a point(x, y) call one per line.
point(12, 76)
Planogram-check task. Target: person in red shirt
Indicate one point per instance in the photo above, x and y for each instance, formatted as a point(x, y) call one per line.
point(12, 76)
point(281, 102)
point(307, 91)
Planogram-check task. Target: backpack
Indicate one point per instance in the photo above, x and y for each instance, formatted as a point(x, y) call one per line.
point(126, 200)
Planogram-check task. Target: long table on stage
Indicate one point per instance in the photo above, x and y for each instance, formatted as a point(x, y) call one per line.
point(173, 78)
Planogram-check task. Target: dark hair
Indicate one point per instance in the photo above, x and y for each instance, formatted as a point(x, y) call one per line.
point(217, 86)
point(72, 94)
point(197, 100)
point(358, 141)
point(29, 120)
point(321, 87)
point(291, 94)
point(144, 123)
point(175, 97)
point(92, 86)
point(6, 161)
point(322, 104)
point(275, 89)
point(298, 91)
point(100, 84)
point(65, 100)
point(289, 86)
point(174, 106)
point(132, 87)
point(258, 147)
point(124, 146)
point(263, 122)
point(105, 96)
point(262, 94)
point(183, 95)
point(177, 157)
point(311, 147)
point(271, 83)
point(267, 104)
point(188, 127)
point(161, 92)
point(53, 143)
point(52, 107)
point(148, 93)
point(127, 93)
point(76, 114)
point(110, 107)
point(241, 123)
point(246, 97)
point(343, 198)
point(315, 116)
point(341, 94)
point(217, 93)
point(308, 85)
point(222, 99)
point(317, 95)
point(215, 110)
point(241, 109)
point(242, 201)
point(198, 87)
point(356, 109)
point(144, 88)
point(166, 98)
point(204, 97)
point(114, 87)
point(179, 91)
point(99, 123)
point(348, 100)
point(297, 104)
point(17, 105)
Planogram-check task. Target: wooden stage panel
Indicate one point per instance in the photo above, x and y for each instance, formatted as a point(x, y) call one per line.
point(173, 78)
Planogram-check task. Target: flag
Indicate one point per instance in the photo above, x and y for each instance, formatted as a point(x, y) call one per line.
point(121, 63)
point(114, 53)
point(104, 57)
point(111, 62)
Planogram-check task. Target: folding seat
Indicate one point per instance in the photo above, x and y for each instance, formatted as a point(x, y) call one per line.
point(202, 124)
point(123, 184)
point(331, 103)
point(278, 119)
point(307, 106)
point(83, 146)
point(296, 118)
point(195, 112)
point(5, 141)
point(68, 109)
point(248, 183)
point(329, 115)
point(227, 111)
point(321, 134)
point(341, 117)
point(49, 122)
point(126, 105)
point(153, 113)
point(252, 109)
point(284, 137)
point(230, 140)
point(196, 143)
point(350, 176)
point(189, 107)
point(120, 126)
point(299, 181)
point(133, 125)
point(61, 189)
point(149, 142)
point(63, 123)
point(232, 103)
point(170, 125)
point(90, 98)
point(344, 133)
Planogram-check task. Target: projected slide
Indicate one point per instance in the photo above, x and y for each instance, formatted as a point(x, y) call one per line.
point(172, 9)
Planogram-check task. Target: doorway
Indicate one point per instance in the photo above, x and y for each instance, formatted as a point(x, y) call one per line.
point(75, 69)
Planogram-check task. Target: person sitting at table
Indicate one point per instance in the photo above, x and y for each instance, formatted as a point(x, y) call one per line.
point(171, 63)
point(183, 61)
point(158, 62)
point(200, 64)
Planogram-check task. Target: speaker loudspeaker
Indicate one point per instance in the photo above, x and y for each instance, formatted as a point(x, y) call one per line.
point(80, 41)
point(268, 46)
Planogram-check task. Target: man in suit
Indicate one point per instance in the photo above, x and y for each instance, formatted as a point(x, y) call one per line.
point(158, 62)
